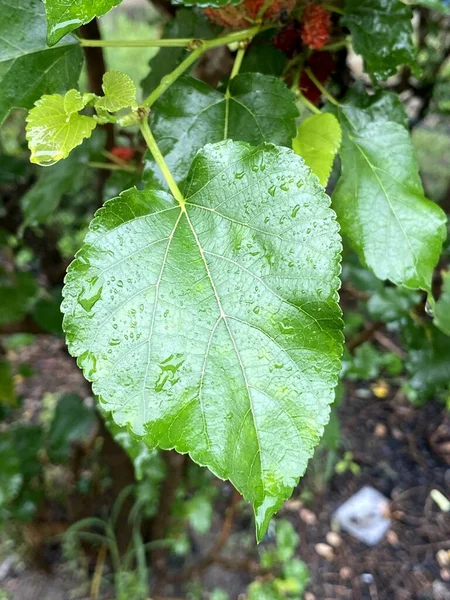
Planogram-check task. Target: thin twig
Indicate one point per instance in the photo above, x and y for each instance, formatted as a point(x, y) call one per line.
point(364, 335)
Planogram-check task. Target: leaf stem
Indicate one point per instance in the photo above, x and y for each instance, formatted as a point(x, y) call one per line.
point(202, 46)
point(332, 8)
point(309, 105)
point(159, 159)
point(337, 45)
point(321, 87)
point(111, 167)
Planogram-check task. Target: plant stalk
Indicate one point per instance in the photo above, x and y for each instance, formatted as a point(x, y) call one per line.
point(159, 159)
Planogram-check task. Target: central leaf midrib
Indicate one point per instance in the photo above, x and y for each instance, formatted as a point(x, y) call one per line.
point(223, 316)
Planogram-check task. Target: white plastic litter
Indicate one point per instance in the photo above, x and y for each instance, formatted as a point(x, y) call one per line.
point(364, 515)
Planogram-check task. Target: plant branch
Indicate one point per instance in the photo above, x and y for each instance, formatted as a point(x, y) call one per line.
point(111, 167)
point(364, 335)
point(163, 43)
point(201, 47)
point(215, 552)
point(321, 87)
point(309, 105)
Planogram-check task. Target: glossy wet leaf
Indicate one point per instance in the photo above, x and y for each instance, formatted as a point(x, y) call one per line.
point(52, 132)
point(260, 108)
point(65, 16)
point(317, 142)
point(382, 33)
point(379, 199)
point(28, 67)
point(442, 308)
point(119, 90)
point(187, 23)
point(215, 329)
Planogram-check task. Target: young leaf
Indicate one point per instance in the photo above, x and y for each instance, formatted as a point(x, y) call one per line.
point(259, 108)
point(66, 16)
point(212, 326)
point(187, 23)
point(119, 90)
point(28, 68)
point(442, 308)
point(382, 33)
point(379, 200)
point(317, 142)
point(52, 132)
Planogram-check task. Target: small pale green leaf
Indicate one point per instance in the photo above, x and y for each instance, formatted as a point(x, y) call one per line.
point(119, 90)
point(213, 327)
point(397, 232)
point(382, 33)
point(28, 67)
point(259, 108)
point(442, 308)
point(52, 133)
point(317, 142)
point(65, 16)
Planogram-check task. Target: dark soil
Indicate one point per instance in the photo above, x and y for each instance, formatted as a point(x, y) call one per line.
point(402, 451)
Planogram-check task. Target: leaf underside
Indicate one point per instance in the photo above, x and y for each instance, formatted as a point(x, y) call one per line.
point(215, 328)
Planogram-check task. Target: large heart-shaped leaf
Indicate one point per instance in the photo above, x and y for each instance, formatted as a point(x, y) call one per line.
point(66, 16)
point(28, 68)
point(212, 326)
point(379, 199)
point(258, 108)
point(382, 33)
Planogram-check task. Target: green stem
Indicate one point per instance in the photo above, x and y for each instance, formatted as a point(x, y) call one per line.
point(169, 43)
point(111, 167)
point(159, 159)
point(320, 87)
point(334, 46)
point(204, 45)
point(334, 9)
point(309, 105)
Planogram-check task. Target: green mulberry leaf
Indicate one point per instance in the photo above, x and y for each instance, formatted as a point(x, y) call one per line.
point(212, 326)
point(52, 132)
point(382, 33)
point(64, 17)
point(379, 200)
point(317, 142)
point(28, 68)
point(259, 108)
point(119, 90)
